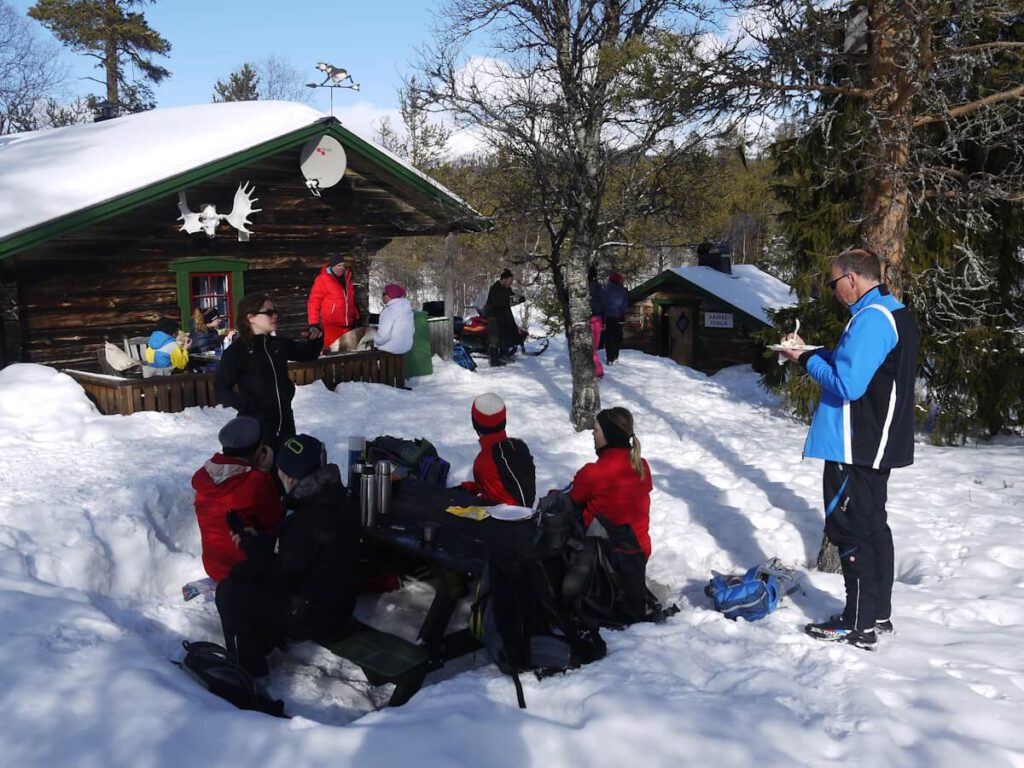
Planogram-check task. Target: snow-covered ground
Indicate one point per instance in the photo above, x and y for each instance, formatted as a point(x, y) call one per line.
point(97, 535)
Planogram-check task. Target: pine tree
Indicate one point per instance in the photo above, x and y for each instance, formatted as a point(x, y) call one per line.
point(116, 36)
point(964, 272)
point(242, 85)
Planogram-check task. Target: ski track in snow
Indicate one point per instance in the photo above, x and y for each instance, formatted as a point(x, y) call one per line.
point(97, 534)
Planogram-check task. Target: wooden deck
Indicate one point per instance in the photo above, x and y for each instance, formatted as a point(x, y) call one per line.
point(171, 394)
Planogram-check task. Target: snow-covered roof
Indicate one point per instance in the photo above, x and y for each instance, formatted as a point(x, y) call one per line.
point(45, 175)
point(747, 288)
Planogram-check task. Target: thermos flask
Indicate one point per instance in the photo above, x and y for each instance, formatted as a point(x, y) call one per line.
point(355, 475)
point(368, 498)
point(383, 478)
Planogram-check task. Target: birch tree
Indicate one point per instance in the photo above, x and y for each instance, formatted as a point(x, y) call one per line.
point(571, 91)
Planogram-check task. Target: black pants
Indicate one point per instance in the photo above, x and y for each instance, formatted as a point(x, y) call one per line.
point(855, 521)
point(612, 338)
point(254, 618)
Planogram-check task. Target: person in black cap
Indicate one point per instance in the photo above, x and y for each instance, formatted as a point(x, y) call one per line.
point(332, 300)
point(205, 330)
point(237, 478)
point(502, 330)
point(163, 350)
point(299, 584)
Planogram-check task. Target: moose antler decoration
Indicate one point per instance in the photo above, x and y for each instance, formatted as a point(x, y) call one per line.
point(207, 220)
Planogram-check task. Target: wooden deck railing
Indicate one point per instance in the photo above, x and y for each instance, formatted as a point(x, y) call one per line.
point(171, 394)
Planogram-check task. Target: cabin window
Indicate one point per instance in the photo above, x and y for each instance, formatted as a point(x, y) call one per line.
point(212, 289)
point(209, 282)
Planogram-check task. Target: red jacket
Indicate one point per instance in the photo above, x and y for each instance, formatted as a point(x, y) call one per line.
point(332, 300)
point(487, 482)
point(610, 486)
point(225, 483)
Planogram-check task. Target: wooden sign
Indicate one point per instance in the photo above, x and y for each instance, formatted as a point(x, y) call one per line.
point(718, 319)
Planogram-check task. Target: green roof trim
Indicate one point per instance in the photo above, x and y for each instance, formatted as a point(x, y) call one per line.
point(670, 278)
point(329, 125)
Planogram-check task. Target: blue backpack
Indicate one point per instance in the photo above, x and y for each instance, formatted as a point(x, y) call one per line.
point(433, 470)
point(751, 596)
point(462, 357)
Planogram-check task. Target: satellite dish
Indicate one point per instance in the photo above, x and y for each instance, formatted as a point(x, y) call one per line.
point(322, 162)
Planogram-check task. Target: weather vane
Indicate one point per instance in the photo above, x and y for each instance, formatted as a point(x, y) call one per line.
point(334, 77)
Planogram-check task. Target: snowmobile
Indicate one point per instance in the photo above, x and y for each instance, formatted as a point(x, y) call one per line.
point(472, 334)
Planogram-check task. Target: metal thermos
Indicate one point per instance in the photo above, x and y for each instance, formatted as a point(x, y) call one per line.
point(355, 473)
point(356, 455)
point(368, 499)
point(383, 477)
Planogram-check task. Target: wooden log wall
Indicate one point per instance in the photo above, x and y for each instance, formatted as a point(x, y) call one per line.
point(67, 308)
point(714, 348)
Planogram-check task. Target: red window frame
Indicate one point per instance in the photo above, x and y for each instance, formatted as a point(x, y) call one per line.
point(204, 300)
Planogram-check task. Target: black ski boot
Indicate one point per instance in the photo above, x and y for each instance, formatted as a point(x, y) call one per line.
point(496, 361)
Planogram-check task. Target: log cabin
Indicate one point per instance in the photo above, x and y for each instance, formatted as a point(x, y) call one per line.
point(108, 226)
point(704, 316)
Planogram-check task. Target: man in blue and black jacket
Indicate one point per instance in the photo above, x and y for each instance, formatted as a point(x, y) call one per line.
point(862, 428)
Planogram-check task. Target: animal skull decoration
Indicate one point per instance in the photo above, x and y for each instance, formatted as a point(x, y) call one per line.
point(207, 220)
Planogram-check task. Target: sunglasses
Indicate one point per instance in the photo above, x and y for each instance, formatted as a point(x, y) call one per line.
point(268, 312)
point(832, 283)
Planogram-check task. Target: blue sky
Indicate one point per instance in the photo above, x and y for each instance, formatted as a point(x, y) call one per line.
point(375, 41)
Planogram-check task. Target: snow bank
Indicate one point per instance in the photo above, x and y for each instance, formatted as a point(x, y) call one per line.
point(98, 534)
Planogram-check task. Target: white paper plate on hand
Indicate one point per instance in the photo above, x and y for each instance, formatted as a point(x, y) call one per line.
point(797, 347)
point(509, 512)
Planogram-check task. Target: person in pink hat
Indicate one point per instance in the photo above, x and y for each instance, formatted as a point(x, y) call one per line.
point(395, 328)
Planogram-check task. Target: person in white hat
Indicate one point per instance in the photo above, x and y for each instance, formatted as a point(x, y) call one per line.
point(503, 471)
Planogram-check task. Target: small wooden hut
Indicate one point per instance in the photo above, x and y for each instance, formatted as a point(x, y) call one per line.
point(703, 316)
point(93, 219)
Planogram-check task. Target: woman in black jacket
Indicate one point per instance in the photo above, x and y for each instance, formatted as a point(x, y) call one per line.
point(252, 376)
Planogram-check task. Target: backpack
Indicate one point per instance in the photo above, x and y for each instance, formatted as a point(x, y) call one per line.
point(516, 618)
point(215, 669)
point(433, 470)
point(751, 596)
point(405, 455)
point(605, 582)
point(461, 356)
point(516, 470)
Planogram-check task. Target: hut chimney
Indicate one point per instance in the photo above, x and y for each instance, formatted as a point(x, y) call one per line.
point(715, 255)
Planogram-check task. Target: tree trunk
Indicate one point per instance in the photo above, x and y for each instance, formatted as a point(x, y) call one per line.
point(110, 61)
point(586, 397)
point(893, 64)
point(828, 557)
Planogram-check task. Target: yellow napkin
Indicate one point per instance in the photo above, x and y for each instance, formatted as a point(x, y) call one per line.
point(473, 513)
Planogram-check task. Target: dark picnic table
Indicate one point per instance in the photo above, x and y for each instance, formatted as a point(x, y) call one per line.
point(457, 555)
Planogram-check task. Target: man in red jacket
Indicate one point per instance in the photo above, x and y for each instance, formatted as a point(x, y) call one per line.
point(503, 470)
point(236, 479)
point(332, 302)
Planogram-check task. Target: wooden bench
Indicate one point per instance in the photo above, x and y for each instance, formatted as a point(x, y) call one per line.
point(387, 658)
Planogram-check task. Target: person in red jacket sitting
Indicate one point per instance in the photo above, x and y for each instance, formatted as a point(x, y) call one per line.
point(614, 493)
point(236, 478)
point(332, 302)
point(618, 485)
point(503, 471)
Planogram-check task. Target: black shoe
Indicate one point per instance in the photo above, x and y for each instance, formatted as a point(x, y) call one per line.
point(836, 630)
point(884, 626)
point(498, 363)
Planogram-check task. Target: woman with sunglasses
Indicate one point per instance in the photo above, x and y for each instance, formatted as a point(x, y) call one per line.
point(253, 373)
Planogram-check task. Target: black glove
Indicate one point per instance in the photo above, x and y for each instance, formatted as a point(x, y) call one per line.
point(235, 523)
